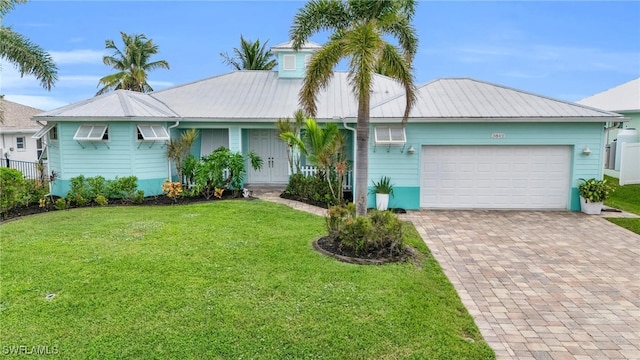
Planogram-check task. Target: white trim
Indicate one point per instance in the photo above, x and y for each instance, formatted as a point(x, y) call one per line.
point(90, 132)
point(307, 60)
point(152, 132)
point(390, 135)
point(291, 59)
point(42, 132)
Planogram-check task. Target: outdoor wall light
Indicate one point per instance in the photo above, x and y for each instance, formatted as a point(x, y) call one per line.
point(586, 151)
point(411, 150)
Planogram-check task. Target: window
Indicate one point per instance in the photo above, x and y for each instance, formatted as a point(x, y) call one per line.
point(152, 132)
point(49, 128)
point(53, 133)
point(92, 133)
point(390, 135)
point(40, 149)
point(20, 145)
point(289, 62)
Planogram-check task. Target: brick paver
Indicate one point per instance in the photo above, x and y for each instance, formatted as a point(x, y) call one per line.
point(540, 285)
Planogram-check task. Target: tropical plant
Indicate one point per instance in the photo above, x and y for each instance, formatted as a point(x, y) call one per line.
point(131, 63)
point(178, 149)
point(289, 132)
point(594, 190)
point(360, 30)
point(383, 186)
point(250, 56)
point(12, 184)
point(222, 169)
point(17, 49)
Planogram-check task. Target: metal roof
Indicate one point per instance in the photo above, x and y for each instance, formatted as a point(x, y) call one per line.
point(115, 104)
point(309, 45)
point(17, 117)
point(622, 98)
point(263, 96)
point(464, 99)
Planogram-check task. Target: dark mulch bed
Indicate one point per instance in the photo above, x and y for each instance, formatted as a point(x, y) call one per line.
point(160, 200)
point(328, 246)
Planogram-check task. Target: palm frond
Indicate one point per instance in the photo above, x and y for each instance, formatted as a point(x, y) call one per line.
point(30, 58)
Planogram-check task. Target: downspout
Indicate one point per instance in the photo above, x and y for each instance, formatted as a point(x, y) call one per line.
point(169, 160)
point(355, 150)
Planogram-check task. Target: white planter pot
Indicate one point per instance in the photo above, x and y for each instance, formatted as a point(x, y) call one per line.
point(382, 201)
point(591, 208)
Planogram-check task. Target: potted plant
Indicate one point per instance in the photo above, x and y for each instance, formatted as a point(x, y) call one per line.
point(592, 194)
point(382, 189)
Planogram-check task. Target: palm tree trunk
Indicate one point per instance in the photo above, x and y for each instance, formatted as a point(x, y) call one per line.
point(362, 156)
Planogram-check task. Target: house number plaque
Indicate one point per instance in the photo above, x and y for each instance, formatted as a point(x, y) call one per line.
point(497, 136)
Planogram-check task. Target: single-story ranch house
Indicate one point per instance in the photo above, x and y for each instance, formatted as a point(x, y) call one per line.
point(467, 143)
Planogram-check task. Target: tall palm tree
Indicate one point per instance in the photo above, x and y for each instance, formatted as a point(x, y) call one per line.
point(30, 58)
point(132, 64)
point(250, 56)
point(359, 31)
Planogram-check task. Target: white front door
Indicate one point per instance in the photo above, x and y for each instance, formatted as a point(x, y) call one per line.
point(495, 177)
point(273, 151)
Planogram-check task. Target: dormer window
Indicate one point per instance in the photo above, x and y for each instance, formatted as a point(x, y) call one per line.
point(289, 62)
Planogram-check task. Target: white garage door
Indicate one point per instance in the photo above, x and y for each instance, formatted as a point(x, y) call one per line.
point(495, 177)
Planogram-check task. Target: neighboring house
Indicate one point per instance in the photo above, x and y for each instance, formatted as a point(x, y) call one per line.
point(467, 143)
point(16, 131)
point(623, 99)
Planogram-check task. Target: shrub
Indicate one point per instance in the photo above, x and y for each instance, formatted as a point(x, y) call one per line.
point(138, 197)
point(172, 189)
point(209, 173)
point(60, 204)
point(378, 233)
point(12, 184)
point(97, 186)
point(31, 191)
point(78, 190)
point(123, 188)
point(101, 200)
point(310, 188)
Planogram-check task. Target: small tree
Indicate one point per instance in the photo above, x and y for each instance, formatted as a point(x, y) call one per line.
point(289, 132)
point(178, 149)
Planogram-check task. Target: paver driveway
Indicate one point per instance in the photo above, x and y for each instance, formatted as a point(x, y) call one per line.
point(542, 285)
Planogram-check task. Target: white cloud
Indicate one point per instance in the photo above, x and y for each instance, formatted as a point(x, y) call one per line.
point(157, 85)
point(77, 80)
point(38, 102)
point(77, 56)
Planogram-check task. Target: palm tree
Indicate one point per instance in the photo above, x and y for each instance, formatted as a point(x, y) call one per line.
point(27, 56)
point(289, 132)
point(132, 64)
point(250, 56)
point(359, 34)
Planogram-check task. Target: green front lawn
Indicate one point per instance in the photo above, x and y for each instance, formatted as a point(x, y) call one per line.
point(625, 198)
point(219, 280)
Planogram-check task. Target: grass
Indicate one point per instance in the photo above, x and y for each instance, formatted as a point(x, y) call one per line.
point(625, 198)
point(219, 280)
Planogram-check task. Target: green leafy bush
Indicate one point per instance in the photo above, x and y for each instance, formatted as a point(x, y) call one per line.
point(12, 185)
point(594, 190)
point(123, 188)
point(32, 191)
point(222, 169)
point(101, 200)
point(310, 188)
point(97, 186)
point(60, 204)
point(378, 233)
point(79, 190)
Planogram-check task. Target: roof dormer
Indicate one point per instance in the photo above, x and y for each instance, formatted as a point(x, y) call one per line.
point(293, 64)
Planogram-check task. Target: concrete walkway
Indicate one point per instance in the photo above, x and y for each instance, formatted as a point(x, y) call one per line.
point(540, 285)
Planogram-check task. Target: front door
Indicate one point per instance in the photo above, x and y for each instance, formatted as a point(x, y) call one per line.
point(273, 152)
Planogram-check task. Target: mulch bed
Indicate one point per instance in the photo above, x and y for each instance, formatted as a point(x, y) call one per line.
point(329, 247)
point(160, 200)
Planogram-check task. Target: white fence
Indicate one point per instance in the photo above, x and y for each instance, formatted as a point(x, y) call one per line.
point(346, 179)
point(630, 164)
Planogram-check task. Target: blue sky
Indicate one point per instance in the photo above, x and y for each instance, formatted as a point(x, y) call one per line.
point(562, 49)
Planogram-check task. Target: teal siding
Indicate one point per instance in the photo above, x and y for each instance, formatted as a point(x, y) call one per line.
point(404, 168)
point(121, 155)
point(236, 139)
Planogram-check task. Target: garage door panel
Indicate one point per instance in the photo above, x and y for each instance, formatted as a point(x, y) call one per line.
point(495, 177)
